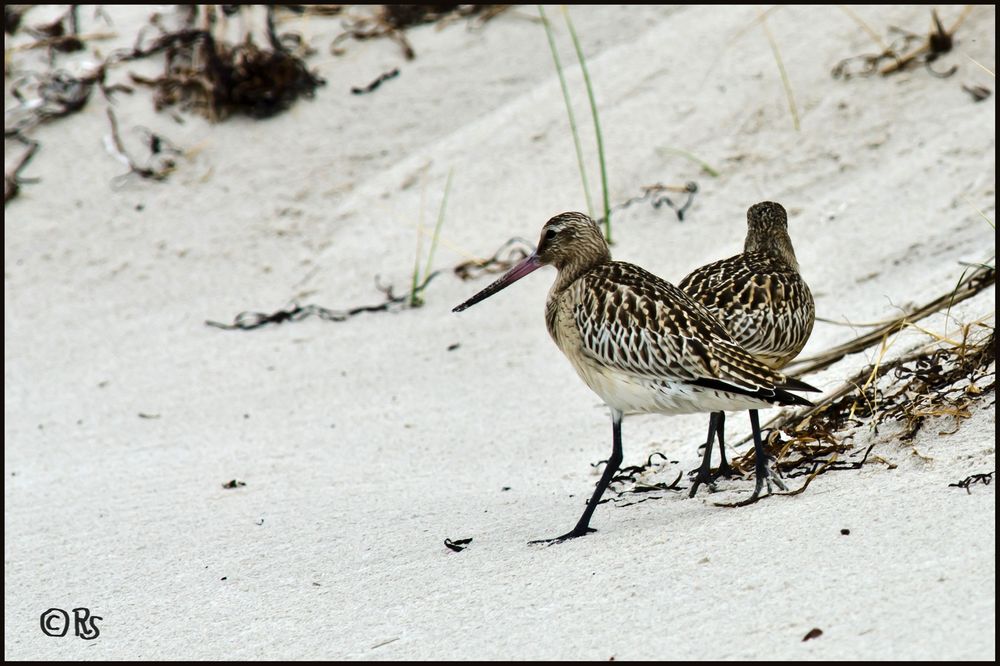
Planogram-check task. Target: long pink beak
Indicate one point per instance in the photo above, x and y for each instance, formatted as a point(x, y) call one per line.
point(529, 265)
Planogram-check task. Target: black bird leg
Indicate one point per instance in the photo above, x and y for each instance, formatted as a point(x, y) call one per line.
point(763, 471)
point(614, 462)
point(720, 432)
point(705, 471)
point(716, 430)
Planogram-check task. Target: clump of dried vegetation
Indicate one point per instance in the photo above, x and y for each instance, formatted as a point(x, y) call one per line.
point(219, 79)
point(944, 381)
point(203, 72)
point(391, 20)
point(906, 51)
point(945, 378)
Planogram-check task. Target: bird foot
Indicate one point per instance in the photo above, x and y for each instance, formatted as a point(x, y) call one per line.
point(702, 477)
point(765, 476)
point(707, 477)
point(577, 532)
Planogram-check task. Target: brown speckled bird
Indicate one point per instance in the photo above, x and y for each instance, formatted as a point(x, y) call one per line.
point(763, 302)
point(637, 341)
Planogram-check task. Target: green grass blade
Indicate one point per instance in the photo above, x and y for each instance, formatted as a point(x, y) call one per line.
point(569, 110)
point(781, 70)
point(415, 300)
point(705, 166)
point(437, 226)
point(597, 123)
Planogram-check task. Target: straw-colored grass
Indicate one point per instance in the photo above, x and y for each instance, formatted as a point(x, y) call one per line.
point(569, 110)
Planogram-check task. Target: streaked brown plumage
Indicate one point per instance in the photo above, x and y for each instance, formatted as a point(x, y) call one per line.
point(639, 342)
point(761, 300)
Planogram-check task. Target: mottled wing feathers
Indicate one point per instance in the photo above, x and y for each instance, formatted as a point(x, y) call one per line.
point(632, 321)
point(762, 301)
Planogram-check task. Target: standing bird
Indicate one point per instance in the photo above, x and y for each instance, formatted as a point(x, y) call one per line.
point(637, 341)
point(763, 302)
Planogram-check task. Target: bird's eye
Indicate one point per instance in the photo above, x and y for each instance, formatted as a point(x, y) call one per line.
point(550, 234)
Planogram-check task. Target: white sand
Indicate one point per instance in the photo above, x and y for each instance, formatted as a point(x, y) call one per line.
point(365, 444)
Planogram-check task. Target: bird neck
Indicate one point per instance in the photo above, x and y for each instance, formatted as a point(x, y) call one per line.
point(776, 244)
point(572, 271)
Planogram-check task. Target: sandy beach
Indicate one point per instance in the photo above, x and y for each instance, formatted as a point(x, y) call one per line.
point(364, 444)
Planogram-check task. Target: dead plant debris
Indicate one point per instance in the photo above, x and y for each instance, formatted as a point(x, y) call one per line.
point(984, 479)
point(815, 632)
point(632, 478)
point(162, 153)
point(906, 391)
point(62, 34)
point(509, 254)
point(202, 72)
point(246, 321)
point(458, 545)
point(903, 52)
point(12, 15)
point(946, 380)
point(218, 79)
point(971, 284)
point(656, 195)
point(48, 96)
point(373, 86)
point(12, 180)
point(391, 20)
point(979, 93)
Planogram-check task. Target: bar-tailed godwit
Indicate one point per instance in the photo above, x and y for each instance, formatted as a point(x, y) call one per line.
point(763, 302)
point(637, 341)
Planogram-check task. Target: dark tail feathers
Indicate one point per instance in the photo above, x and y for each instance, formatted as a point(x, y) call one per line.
point(792, 384)
point(777, 396)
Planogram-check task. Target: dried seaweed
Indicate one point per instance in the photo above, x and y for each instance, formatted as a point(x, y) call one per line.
point(630, 476)
point(629, 473)
point(12, 180)
point(510, 253)
point(61, 35)
point(979, 93)
point(984, 479)
point(374, 27)
point(43, 98)
point(913, 388)
point(391, 20)
point(48, 96)
point(942, 381)
point(901, 55)
point(289, 42)
point(815, 632)
point(12, 15)
point(162, 152)
point(373, 86)
point(458, 545)
point(974, 282)
point(246, 321)
point(655, 194)
point(620, 498)
point(214, 77)
point(869, 64)
point(218, 79)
